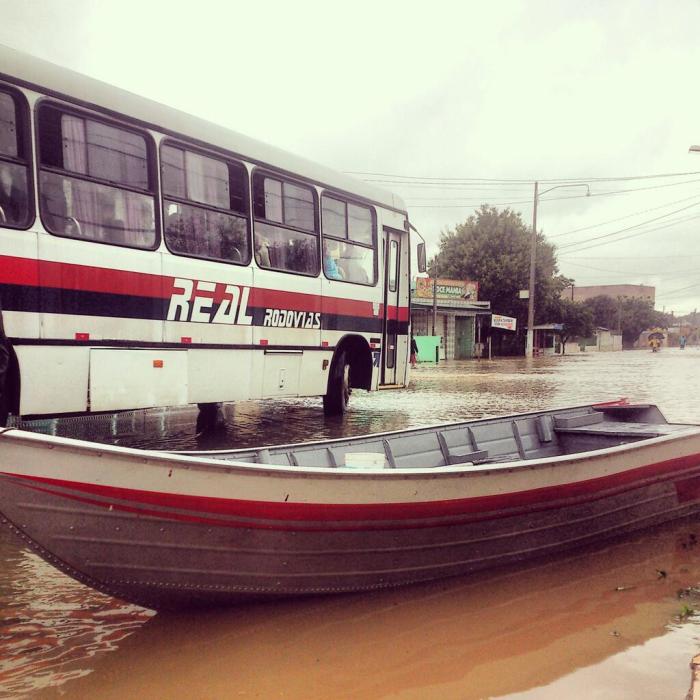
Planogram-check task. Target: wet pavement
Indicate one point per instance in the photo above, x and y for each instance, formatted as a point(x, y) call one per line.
point(601, 623)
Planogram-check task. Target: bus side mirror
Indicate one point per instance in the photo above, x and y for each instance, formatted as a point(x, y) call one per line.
point(422, 267)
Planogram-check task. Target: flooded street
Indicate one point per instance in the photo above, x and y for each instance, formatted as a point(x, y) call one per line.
point(611, 622)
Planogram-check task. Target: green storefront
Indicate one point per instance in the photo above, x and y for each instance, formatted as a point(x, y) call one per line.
point(458, 318)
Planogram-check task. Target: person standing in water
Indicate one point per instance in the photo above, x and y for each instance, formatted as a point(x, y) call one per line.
point(414, 352)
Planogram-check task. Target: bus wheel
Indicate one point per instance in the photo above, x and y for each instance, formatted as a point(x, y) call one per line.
point(209, 418)
point(335, 402)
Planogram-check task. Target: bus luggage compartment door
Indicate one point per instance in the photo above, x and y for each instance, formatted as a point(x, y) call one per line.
point(281, 373)
point(122, 379)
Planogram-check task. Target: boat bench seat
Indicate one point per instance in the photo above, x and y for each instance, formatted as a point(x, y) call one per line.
point(462, 456)
point(577, 420)
point(420, 451)
point(618, 429)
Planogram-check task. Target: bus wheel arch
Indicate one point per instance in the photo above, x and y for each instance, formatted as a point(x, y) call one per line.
point(351, 368)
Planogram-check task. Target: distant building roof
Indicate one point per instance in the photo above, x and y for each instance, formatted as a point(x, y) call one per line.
point(631, 291)
point(479, 307)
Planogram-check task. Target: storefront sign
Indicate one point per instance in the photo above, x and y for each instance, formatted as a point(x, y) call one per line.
point(447, 289)
point(505, 322)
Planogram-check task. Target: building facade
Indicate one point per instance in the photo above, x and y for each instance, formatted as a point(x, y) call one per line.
point(453, 312)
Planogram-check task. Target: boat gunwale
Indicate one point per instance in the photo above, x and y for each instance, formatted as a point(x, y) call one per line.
point(190, 461)
point(400, 431)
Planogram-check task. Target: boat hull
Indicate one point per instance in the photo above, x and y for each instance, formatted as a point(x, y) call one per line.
point(179, 532)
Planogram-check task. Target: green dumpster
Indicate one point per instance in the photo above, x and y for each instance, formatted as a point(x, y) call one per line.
point(428, 347)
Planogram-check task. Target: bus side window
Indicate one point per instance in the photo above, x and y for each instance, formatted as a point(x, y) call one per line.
point(14, 187)
point(205, 202)
point(286, 229)
point(349, 252)
point(95, 180)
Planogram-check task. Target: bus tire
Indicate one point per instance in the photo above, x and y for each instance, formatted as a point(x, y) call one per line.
point(335, 401)
point(4, 374)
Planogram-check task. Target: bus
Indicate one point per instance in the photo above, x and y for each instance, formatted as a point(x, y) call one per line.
point(150, 258)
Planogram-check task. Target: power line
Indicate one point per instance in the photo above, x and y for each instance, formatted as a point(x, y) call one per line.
point(620, 218)
point(642, 189)
point(673, 292)
point(548, 199)
point(629, 228)
point(530, 181)
point(634, 235)
point(658, 273)
point(633, 257)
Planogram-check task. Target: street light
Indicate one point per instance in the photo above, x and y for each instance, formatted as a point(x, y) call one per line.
point(533, 260)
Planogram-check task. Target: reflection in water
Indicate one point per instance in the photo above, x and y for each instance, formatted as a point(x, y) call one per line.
point(547, 631)
point(482, 636)
point(50, 625)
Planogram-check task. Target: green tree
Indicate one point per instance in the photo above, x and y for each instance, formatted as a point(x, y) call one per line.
point(638, 315)
point(577, 319)
point(605, 311)
point(492, 247)
point(628, 315)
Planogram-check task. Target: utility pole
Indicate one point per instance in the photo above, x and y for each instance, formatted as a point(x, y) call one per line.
point(435, 272)
point(533, 259)
point(619, 314)
point(531, 286)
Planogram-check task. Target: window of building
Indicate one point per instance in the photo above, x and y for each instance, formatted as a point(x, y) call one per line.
point(349, 251)
point(95, 181)
point(14, 163)
point(286, 235)
point(205, 204)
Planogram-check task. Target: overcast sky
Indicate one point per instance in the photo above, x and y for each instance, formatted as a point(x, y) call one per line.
point(504, 91)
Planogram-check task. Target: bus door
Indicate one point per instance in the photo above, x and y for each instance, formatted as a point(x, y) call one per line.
point(392, 257)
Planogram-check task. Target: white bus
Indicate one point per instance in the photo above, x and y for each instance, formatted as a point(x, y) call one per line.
point(150, 258)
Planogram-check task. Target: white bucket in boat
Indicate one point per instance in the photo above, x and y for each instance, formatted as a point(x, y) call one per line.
point(364, 460)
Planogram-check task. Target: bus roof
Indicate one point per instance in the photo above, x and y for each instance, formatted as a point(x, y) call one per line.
point(48, 78)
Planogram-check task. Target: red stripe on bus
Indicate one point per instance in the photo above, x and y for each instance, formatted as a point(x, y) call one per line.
point(19, 271)
point(397, 313)
point(70, 276)
point(43, 273)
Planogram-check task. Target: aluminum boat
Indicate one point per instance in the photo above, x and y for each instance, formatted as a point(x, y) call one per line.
point(174, 530)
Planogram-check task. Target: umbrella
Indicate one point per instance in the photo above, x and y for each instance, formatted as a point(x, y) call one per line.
point(656, 334)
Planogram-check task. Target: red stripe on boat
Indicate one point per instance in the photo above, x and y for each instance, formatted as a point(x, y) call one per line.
point(544, 497)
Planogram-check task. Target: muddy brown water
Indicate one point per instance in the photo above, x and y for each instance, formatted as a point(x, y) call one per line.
point(610, 622)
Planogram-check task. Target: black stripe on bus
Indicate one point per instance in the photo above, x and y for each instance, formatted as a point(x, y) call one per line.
point(105, 304)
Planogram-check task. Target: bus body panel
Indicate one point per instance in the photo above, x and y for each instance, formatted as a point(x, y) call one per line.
point(219, 375)
point(147, 378)
point(18, 268)
point(54, 379)
point(98, 326)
